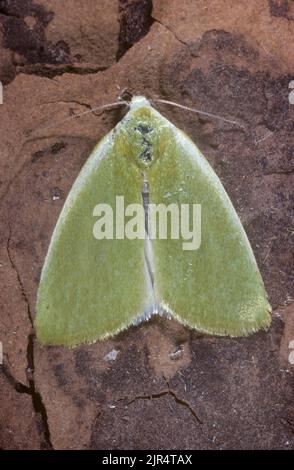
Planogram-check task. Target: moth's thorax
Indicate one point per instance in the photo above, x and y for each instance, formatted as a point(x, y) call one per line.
point(144, 135)
point(139, 102)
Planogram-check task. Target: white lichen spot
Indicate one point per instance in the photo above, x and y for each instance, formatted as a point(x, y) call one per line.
point(176, 354)
point(112, 355)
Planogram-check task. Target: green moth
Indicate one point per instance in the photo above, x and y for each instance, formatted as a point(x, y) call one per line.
point(110, 265)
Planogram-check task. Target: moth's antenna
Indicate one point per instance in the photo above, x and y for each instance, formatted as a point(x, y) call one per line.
point(198, 111)
point(92, 110)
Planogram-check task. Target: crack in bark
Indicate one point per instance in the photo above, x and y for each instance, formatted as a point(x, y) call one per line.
point(288, 422)
point(18, 386)
point(37, 401)
point(51, 71)
point(173, 33)
point(86, 105)
point(23, 293)
point(80, 103)
point(170, 392)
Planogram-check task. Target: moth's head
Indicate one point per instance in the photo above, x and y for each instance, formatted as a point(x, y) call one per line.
point(139, 102)
point(143, 134)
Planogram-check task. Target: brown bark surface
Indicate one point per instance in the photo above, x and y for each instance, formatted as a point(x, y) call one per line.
point(168, 388)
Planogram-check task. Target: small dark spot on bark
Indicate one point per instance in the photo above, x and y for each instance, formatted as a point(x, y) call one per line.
point(7, 73)
point(82, 361)
point(37, 155)
point(280, 8)
point(39, 195)
point(80, 403)
point(54, 149)
point(53, 355)
point(56, 193)
point(60, 375)
point(57, 147)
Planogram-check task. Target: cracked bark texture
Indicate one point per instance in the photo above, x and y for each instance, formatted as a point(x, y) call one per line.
point(168, 387)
